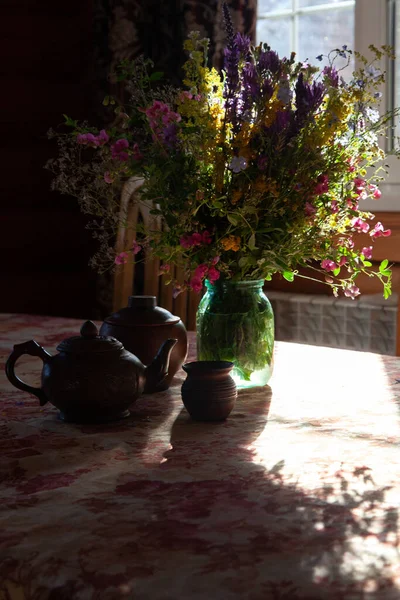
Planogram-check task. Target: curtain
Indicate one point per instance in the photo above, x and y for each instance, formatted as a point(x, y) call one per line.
point(157, 28)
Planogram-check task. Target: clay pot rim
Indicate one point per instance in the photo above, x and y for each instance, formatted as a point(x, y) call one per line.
point(207, 366)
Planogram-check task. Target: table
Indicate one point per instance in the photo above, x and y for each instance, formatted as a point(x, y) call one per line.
point(295, 496)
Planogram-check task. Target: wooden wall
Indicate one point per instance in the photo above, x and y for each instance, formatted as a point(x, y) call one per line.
point(46, 50)
point(384, 247)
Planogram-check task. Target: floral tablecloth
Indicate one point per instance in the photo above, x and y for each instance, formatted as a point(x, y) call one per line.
point(295, 496)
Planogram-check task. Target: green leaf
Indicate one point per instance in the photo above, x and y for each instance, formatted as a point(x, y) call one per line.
point(386, 273)
point(252, 241)
point(383, 265)
point(156, 76)
point(70, 122)
point(233, 219)
point(243, 262)
point(288, 275)
point(336, 272)
point(366, 263)
point(387, 292)
point(217, 204)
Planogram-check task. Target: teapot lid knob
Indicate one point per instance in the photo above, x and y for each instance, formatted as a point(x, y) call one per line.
point(89, 330)
point(142, 301)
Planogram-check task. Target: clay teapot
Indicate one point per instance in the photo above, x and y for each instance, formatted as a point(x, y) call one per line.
point(93, 378)
point(142, 327)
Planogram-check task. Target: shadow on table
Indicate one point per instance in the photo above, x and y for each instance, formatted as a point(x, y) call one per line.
point(277, 540)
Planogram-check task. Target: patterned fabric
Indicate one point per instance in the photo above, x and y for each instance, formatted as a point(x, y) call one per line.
point(127, 28)
point(294, 497)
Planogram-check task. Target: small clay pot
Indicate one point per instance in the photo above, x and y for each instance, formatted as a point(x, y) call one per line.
point(209, 392)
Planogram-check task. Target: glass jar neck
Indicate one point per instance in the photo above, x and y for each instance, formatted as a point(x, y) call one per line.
point(226, 284)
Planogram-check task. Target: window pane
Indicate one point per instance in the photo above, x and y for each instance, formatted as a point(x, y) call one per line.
point(319, 33)
point(303, 3)
point(276, 33)
point(265, 6)
point(397, 69)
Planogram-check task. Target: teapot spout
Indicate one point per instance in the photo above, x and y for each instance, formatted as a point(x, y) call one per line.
point(158, 370)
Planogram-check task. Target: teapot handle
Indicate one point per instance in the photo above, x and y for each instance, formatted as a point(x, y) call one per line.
point(34, 349)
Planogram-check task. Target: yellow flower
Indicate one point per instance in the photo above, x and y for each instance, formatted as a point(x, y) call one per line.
point(231, 243)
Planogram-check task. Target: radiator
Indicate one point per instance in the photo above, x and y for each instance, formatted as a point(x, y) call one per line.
point(368, 323)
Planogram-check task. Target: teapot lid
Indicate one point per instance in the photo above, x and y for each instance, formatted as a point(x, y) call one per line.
point(89, 341)
point(142, 311)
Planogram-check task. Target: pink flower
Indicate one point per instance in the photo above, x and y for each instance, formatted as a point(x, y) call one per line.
point(352, 292)
point(186, 241)
point(197, 239)
point(352, 204)
point(81, 138)
point(103, 137)
point(121, 258)
point(309, 209)
point(351, 167)
point(215, 260)
point(206, 237)
point(359, 184)
point(375, 191)
point(359, 224)
point(378, 231)
point(136, 154)
point(185, 96)
point(334, 207)
point(350, 243)
point(160, 117)
point(322, 186)
point(328, 265)
point(164, 269)
point(118, 150)
point(136, 247)
point(196, 284)
point(367, 252)
point(342, 261)
point(201, 271)
point(108, 178)
point(87, 139)
point(213, 274)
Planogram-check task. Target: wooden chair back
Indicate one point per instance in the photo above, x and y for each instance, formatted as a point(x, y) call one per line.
point(131, 211)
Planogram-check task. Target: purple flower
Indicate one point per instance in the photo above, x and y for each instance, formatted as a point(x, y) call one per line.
point(269, 61)
point(332, 75)
point(242, 43)
point(228, 25)
point(237, 164)
point(170, 135)
point(308, 97)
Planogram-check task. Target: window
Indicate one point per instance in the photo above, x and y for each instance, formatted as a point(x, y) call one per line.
point(394, 32)
point(314, 27)
point(307, 27)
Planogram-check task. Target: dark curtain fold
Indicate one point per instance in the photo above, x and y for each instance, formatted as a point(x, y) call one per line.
point(157, 29)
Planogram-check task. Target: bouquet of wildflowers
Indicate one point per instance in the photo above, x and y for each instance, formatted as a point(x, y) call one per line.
point(259, 169)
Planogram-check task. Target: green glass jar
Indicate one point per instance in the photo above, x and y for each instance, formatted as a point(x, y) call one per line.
point(235, 322)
